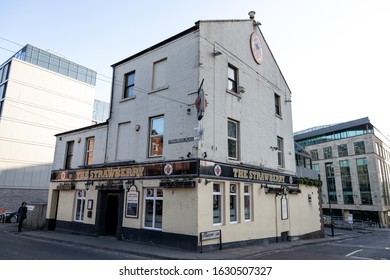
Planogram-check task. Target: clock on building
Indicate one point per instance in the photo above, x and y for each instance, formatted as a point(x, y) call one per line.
point(257, 50)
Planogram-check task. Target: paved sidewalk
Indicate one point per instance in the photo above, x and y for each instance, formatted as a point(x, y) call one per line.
point(167, 253)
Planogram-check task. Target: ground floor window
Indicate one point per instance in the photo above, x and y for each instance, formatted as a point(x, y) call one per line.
point(80, 203)
point(233, 203)
point(217, 204)
point(153, 208)
point(248, 202)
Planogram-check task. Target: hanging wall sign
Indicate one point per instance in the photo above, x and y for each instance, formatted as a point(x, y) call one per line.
point(132, 202)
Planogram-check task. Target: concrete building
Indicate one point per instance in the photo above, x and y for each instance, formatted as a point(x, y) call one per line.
point(41, 95)
point(352, 159)
point(198, 149)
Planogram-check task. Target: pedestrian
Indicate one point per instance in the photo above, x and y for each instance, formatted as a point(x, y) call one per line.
point(22, 215)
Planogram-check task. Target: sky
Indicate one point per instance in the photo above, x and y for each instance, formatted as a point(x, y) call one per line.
point(334, 54)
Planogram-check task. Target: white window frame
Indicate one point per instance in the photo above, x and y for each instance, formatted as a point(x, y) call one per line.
point(79, 205)
point(248, 198)
point(158, 135)
point(129, 89)
point(280, 143)
point(218, 194)
point(89, 150)
point(155, 198)
point(233, 139)
point(233, 203)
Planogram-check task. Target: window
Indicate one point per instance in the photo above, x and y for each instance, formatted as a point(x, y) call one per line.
point(89, 146)
point(278, 108)
point(69, 154)
point(346, 182)
point(129, 85)
point(248, 202)
point(232, 79)
point(156, 136)
point(359, 148)
point(232, 139)
point(342, 150)
point(233, 203)
point(153, 208)
point(314, 154)
point(80, 203)
point(217, 204)
point(160, 74)
point(330, 182)
point(327, 152)
point(280, 152)
point(364, 181)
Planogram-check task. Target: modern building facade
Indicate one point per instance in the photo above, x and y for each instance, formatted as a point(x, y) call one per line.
point(352, 159)
point(198, 149)
point(41, 95)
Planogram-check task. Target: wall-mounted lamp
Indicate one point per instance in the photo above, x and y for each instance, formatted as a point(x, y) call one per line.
point(216, 53)
point(88, 184)
point(189, 154)
point(206, 182)
point(309, 198)
point(274, 148)
point(137, 127)
point(256, 23)
point(128, 184)
point(205, 154)
point(241, 89)
point(251, 14)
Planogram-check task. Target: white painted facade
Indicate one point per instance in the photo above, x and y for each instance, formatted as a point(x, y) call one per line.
point(195, 154)
point(38, 104)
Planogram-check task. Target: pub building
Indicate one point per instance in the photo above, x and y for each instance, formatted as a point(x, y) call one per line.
point(197, 153)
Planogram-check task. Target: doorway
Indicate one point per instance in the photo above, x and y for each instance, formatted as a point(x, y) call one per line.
point(112, 210)
point(109, 212)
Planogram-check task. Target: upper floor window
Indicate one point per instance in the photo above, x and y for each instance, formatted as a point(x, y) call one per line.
point(233, 139)
point(278, 108)
point(89, 147)
point(156, 136)
point(159, 74)
point(327, 152)
point(314, 154)
point(280, 143)
point(342, 150)
point(232, 79)
point(359, 148)
point(69, 154)
point(129, 85)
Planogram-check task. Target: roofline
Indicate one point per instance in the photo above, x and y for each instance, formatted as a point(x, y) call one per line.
point(82, 128)
point(158, 45)
point(332, 128)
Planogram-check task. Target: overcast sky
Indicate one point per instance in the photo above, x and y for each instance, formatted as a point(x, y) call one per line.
point(334, 54)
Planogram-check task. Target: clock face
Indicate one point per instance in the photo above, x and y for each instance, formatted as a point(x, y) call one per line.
point(257, 50)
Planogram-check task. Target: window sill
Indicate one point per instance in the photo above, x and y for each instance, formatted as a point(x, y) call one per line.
point(127, 99)
point(158, 89)
point(238, 95)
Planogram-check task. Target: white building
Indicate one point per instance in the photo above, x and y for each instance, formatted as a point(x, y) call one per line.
point(41, 95)
point(199, 146)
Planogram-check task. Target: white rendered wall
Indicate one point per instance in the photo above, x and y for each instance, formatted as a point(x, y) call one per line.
point(38, 104)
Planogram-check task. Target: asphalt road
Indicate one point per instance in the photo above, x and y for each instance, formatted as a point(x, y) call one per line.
point(370, 245)
point(15, 246)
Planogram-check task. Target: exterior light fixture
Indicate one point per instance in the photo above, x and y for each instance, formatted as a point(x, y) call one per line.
point(252, 14)
point(88, 184)
point(189, 154)
point(128, 184)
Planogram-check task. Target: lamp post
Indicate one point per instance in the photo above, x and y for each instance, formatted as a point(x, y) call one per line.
point(330, 211)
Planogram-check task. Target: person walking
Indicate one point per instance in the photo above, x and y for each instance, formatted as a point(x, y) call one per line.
point(22, 215)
